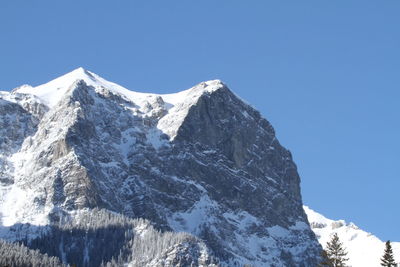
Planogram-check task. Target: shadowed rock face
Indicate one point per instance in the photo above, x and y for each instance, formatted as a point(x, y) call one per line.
point(16, 123)
point(246, 143)
point(223, 177)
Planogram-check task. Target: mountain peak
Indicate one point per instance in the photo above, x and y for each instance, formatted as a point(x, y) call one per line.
point(199, 161)
point(69, 78)
point(79, 73)
point(80, 69)
point(51, 92)
point(214, 84)
point(175, 106)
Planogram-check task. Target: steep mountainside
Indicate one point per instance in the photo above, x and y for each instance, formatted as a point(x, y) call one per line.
point(199, 161)
point(364, 249)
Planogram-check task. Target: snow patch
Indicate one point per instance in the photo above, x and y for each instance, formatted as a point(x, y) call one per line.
point(191, 220)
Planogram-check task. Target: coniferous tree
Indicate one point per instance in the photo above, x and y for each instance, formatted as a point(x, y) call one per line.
point(388, 258)
point(335, 253)
point(325, 260)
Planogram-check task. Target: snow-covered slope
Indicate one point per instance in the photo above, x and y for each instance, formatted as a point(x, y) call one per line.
point(176, 105)
point(364, 249)
point(200, 161)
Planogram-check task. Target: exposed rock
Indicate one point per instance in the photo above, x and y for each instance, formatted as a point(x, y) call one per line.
point(200, 161)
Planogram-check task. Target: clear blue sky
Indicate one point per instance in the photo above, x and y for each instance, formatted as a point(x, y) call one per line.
point(325, 73)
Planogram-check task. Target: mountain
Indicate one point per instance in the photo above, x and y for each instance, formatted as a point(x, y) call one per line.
point(364, 249)
point(92, 172)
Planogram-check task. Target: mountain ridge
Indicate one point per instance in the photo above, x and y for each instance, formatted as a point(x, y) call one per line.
point(364, 249)
point(200, 161)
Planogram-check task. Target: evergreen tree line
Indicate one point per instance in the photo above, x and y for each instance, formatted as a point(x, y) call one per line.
point(17, 255)
point(88, 238)
point(163, 249)
point(103, 238)
point(335, 254)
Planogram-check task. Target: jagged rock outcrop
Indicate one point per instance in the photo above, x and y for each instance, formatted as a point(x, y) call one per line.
point(200, 161)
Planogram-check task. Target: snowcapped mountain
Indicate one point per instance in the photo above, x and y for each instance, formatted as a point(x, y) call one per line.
point(84, 161)
point(364, 249)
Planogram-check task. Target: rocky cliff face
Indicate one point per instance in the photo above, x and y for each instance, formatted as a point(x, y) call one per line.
point(200, 161)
